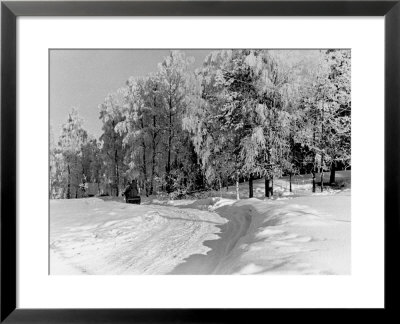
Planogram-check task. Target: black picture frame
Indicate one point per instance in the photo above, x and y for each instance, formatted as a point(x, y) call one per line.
point(10, 10)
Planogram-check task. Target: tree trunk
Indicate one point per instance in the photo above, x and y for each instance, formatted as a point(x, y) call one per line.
point(237, 186)
point(153, 162)
point(333, 170)
point(313, 180)
point(272, 186)
point(251, 186)
point(145, 170)
point(322, 155)
point(322, 172)
point(267, 191)
point(69, 183)
point(322, 180)
point(116, 173)
point(290, 181)
point(220, 187)
point(77, 187)
point(314, 167)
point(77, 178)
point(168, 169)
point(144, 161)
point(153, 158)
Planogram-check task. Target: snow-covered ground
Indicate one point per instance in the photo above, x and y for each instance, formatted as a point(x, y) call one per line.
point(307, 234)
point(301, 186)
point(93, 236)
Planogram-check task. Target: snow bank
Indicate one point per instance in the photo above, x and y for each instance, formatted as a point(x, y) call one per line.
point(92, 236)
point(302, 236)
point(294, 238)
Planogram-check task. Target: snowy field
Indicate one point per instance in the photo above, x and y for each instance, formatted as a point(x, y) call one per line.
point(294, 233)
point(291, 234)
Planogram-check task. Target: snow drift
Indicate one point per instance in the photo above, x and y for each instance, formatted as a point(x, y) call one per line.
point(304, 235)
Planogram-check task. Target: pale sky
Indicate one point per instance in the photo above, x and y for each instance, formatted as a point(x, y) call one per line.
point(83, 78)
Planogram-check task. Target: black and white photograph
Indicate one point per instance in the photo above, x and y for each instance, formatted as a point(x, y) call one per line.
point(200, 161)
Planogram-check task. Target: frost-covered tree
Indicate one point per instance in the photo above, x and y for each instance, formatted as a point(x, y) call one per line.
point(328, 110)
point(232, 123)
point(154, 129)
point(112, 148)
point(92, 162)
point(295, 75)
point(338, 127)
point(134, 129)
point(142, 130)
point(245, 114)
point(173, 88)
point(244, 77)
point(249, 111)
point(214, 144)
point(54, 166)
point(72, 137)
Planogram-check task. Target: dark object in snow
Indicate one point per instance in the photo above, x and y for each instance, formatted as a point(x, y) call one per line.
point(135, 200)
point(131, 193)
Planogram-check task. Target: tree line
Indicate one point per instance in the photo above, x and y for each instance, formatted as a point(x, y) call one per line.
point(243, 115)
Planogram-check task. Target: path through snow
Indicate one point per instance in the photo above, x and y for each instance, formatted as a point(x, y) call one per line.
point(278, 237)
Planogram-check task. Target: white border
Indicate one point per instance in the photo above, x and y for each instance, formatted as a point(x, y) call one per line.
point(364, 288)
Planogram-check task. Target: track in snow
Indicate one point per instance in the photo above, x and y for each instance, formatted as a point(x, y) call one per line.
point(99, 237)
point(214, 262)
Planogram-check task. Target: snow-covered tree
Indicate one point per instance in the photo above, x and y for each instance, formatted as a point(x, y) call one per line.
point(213, 143)
point(113, 151)
point(295, 75)
point(173, 87)
point(92, 162)
point(54, 166)
point(328, 109)
point(245, 114)
point(73, 136)
point(338, 127)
